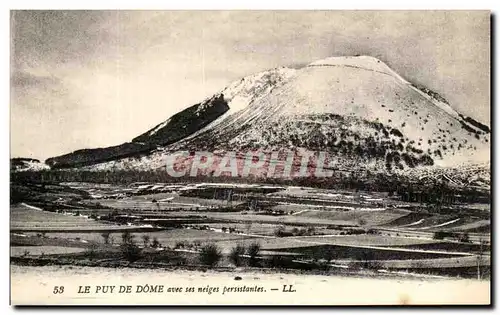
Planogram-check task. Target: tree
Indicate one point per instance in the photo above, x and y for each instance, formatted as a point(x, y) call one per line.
point(106, 236)
point(210, 255)
point(130, 251)
point(236, 254)
point(127, 238)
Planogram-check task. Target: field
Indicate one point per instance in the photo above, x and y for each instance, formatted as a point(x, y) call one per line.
point(374, 217)
point(166, 238)
point(43, 250)
point(26, 218)
point(304, 226)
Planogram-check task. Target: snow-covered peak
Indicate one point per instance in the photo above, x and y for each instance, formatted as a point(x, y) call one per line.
point(239, 93)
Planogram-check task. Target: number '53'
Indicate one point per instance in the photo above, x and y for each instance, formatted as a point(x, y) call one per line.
point(58, 290)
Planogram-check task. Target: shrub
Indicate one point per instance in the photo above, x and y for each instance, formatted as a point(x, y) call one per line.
point(253, 251)
point(277, 261)
point(210, 255)
point(396, 133)
point(91, 252)
point(145, 240)
point(366, 260)
point(328, 254)
point(181, 244)
point(439, 235)
point(155, 243)
point(311, 230)
point(236, 254)
point(131, 252)
point(279, 231)
point(464, 237)
point(128, 248)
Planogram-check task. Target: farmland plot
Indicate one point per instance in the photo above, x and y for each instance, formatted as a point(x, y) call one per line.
point(164, 201)
point(17, 251)
point(356, 216)
point(27, 218)
point(365, 239)
point(166, 238)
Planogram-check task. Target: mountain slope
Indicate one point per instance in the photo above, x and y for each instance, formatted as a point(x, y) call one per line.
point(183, 124)
point(173, 129)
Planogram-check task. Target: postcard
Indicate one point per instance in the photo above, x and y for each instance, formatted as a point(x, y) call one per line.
point(250, 158)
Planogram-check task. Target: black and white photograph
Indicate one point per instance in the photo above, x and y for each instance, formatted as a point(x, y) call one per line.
point(250, 157)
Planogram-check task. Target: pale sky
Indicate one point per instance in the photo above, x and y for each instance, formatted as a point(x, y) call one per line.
point(85, 79)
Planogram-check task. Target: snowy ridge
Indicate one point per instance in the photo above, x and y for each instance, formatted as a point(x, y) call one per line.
point(361, 62)
point(241, 93)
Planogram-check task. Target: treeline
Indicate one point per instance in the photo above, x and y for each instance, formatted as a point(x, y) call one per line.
point(440, 194)
point(394, 184)
point(340, 180)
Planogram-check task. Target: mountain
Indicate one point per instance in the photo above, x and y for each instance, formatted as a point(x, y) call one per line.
point(357, 109)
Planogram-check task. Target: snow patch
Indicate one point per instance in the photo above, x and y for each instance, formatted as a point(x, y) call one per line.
point(163, 124)
point(31, 207)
